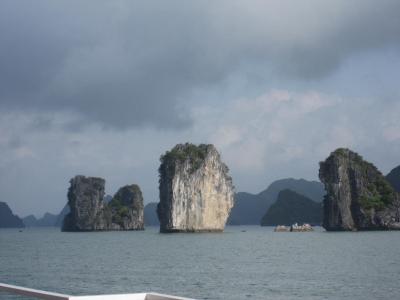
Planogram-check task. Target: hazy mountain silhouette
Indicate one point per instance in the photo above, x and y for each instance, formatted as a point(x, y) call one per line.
point(250, 208)
point(150, 214)
point(47, 220)
point(394, 178)
point(60, 218)
point(7, 218)
point(291, 207)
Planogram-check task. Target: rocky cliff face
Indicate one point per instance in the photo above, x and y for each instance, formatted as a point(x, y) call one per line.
point(127, 208)
point(196, 192)
point(358, 195)
point(87, 209)
point(89, 212)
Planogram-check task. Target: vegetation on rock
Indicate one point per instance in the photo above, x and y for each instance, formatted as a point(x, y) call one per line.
point(126, 199)
point(378, 193)
point(182, 153)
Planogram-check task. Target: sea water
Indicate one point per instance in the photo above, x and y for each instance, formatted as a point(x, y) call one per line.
point(244, 262)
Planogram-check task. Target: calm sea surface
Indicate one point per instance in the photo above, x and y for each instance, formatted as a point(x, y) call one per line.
point(242, 263)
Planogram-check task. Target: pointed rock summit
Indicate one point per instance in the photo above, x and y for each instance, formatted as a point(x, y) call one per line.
point(358, 195)
point(196, 192)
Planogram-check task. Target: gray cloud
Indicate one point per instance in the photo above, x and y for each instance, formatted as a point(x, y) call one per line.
point(126, 64)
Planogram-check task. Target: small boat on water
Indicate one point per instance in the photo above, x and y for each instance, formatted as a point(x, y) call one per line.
point(13, 289)
point(294, 228)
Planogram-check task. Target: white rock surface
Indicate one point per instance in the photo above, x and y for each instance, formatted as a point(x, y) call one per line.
point(196, 194)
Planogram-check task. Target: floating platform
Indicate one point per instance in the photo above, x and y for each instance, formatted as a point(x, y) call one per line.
point(13, 289)
point(294, 228)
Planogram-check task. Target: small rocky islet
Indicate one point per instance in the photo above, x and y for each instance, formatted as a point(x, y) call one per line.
point(358, 196)
point(196, 195)
point(196, 192)
point(89, 211)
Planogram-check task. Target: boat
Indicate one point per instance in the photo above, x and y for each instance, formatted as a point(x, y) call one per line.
point(23, 291)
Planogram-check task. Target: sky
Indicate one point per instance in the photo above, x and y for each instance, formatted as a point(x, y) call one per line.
point(103, 88)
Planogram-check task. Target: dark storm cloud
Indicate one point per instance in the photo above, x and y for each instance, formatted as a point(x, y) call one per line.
point(124, 64)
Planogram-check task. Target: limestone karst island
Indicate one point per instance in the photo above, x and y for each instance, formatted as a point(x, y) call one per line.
point(196, 194)
point(358, 196)
point(89, 211)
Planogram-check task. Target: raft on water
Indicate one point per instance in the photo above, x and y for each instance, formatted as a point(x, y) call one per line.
point(294, 228)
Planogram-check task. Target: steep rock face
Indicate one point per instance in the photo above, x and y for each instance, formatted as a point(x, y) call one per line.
point(196, 192)
point(65, 211)
point(90, 212)
point(358, 195)
point(87, 209)
point(127, 208)
point(8, 219)
point(291, 207)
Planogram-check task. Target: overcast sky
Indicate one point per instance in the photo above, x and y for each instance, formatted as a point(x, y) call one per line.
point(103, 88)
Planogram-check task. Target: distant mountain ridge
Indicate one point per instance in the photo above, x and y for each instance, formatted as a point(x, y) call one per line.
point(150, 214)
point(292, 207)
point(8, 219)
point(249, 209)
point(49, 219)
point(60, 218)
point(29, 221)
point(394, 178)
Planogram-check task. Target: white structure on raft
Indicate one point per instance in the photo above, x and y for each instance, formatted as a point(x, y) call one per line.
point(294, 228)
